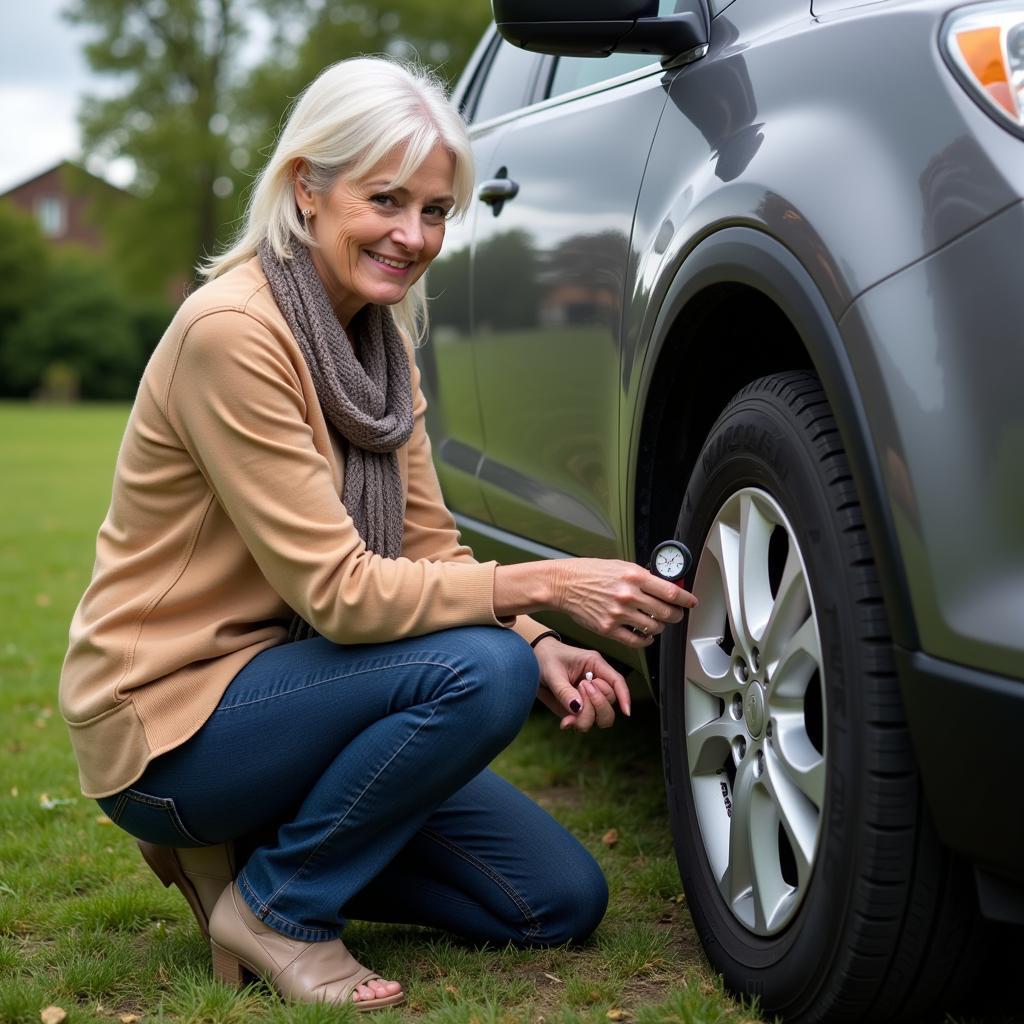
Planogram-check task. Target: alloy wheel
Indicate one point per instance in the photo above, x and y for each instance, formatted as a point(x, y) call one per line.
point(755, 712)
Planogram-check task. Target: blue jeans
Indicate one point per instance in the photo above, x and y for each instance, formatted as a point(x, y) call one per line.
point(355, 779)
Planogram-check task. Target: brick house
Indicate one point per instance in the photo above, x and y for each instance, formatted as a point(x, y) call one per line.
point(61, 199)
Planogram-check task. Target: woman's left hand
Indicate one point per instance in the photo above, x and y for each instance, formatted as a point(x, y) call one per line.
point(564, 689)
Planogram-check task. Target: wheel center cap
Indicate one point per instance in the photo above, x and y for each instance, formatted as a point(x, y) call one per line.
point(753, 710)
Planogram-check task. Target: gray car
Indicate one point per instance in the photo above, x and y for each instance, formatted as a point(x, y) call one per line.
point(752, 279)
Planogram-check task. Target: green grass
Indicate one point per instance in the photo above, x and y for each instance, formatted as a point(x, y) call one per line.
point(85, 926)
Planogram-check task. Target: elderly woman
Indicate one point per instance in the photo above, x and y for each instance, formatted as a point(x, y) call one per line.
point(285, 654)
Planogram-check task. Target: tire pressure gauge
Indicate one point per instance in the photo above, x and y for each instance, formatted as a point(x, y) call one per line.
point(671, 560)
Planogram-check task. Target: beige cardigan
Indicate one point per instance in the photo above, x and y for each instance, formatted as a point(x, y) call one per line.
point(225, 515)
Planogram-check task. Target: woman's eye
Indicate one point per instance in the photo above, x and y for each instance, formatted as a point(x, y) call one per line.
point(436, 212)
point(382, 199)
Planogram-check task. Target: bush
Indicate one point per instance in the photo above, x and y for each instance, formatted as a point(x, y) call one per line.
point(24, 265)
point(80, 336)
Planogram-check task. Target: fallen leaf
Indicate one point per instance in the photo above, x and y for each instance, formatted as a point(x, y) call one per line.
point(618, 1015)
point(40, 723)
point(14, 790)
point(554, 977)
point(53, 1015)
point(43, 601)
point(102, 819)
point(611, 837)
point(130, 1018)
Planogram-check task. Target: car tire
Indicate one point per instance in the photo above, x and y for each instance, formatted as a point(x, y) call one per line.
point(810, 866)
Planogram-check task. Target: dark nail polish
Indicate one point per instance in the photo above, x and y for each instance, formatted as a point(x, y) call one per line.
point(575, 707)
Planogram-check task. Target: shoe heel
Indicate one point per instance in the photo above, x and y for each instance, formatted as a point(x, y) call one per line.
point(227, 967)
point(161, 861)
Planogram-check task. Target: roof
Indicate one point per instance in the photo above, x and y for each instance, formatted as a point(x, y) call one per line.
point(78, 168)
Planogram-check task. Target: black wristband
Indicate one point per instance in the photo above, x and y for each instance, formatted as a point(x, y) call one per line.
point(550, 632)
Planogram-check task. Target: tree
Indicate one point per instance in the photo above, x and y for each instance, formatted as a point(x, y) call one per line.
point(178, 61)
point(438, 33)
point(194, 120)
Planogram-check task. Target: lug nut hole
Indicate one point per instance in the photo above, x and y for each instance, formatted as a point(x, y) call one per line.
point(736, 707)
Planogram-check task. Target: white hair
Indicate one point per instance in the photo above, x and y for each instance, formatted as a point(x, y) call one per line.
point(345, 123)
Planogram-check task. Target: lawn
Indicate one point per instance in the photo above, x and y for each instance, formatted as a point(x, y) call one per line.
point(85, 927)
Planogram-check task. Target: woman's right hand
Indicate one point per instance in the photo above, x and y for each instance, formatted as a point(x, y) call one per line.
point(610, 597)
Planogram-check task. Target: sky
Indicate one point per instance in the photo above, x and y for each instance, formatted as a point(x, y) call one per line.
point(43, 75)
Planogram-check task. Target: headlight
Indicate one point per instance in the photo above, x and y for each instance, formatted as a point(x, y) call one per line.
point(985, 45)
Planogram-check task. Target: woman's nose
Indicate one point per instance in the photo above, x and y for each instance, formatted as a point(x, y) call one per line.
point(408, 232)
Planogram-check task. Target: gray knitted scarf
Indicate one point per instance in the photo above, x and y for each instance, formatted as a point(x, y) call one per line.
point(369, 403)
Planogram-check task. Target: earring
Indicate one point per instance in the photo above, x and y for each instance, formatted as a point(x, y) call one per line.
point(307, 213)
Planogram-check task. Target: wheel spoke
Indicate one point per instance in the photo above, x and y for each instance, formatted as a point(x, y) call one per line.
point(709, 666)
point(790, 610)
point(708, 744)
point(798, 815)
point(796, 663)
point(770, 889)
point(755, 589)
point(724, 545)
point(738, 882)
point(797, 759)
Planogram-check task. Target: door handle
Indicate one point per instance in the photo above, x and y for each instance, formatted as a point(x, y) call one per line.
point(498, 190)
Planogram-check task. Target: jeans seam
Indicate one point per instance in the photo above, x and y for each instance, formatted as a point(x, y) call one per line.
point(333, 679)
point(118, 810)
point(499, 879)
point(168, 806)
point(295, 931)
point(341, 821)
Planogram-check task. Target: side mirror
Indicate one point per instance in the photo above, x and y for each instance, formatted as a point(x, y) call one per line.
point(597, 28)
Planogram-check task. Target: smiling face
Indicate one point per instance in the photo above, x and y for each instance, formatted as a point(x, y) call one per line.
point(375, 241)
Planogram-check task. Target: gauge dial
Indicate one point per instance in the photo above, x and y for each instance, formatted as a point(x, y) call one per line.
point(670, 560)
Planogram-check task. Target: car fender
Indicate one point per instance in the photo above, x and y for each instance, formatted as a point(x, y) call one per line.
point(747, 256)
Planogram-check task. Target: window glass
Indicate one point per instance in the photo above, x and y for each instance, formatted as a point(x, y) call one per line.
point(51, 214)
point(576, 72)
point(508, 78)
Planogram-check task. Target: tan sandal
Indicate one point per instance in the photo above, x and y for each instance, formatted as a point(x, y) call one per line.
point(310, 972)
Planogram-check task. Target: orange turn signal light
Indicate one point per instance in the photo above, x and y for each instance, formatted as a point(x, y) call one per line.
point(986, 44)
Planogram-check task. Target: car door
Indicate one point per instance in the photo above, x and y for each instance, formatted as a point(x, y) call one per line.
point(503, 82)
point(551, 242)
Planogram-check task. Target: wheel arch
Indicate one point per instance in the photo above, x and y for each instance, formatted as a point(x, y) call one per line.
point(769, 315)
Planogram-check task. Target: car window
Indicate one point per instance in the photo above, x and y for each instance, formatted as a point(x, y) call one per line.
point(509, 77)
point(576, 72)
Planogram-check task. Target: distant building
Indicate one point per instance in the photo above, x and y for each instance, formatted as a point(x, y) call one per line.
point(61, 199)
